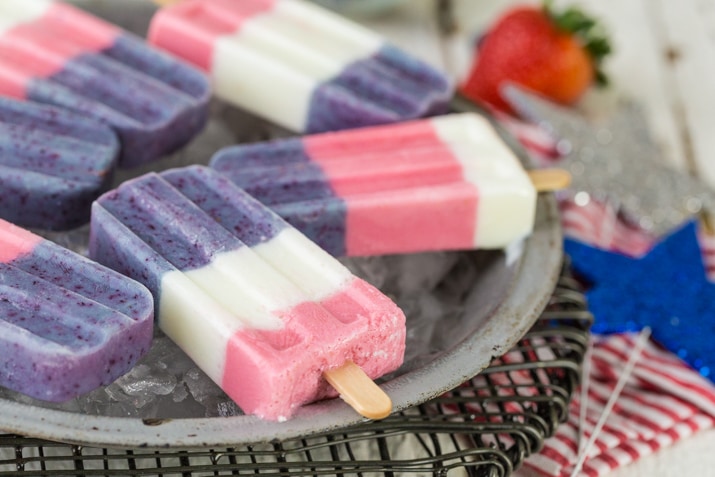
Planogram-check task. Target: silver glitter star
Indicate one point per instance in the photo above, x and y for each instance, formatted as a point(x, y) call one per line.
point(618, 162)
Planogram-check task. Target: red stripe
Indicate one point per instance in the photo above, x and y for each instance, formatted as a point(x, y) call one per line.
point(663, 409)
point(631, 451)
point(609, 460)
point(15, 242)
point(41, 48)
point(190, 29)
point(269, 373)
point(590, 470)
point(374, 139)
point(438, 217)
point(375, 172)
point(555, 456)
point(664, 368)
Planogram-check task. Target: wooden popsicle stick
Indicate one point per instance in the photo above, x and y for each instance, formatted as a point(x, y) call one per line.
point(359, 391)
point(707, 223)
point(165, 3)
point(549, 180)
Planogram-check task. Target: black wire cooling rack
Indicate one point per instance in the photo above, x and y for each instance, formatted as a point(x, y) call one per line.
point(485, 427)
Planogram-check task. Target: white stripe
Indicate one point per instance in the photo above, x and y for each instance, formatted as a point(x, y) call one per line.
point(305, 264)
point(15, 12)
point(562, 448)
point(196, 323)
point(703, 397)
point(621, 456)
point(545, 464)
point(507, 198)
point(255, 283)
point(642, 448)
point(663, 439)
point(273, 64)
point(347, 36)
point(243, 288)
point(614, 422)
point(642, 410)
point(506, 210)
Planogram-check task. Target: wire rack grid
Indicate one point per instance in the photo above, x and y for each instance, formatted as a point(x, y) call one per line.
point(485, 427)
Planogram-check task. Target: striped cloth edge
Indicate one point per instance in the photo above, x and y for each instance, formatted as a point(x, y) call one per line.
point(664, 400)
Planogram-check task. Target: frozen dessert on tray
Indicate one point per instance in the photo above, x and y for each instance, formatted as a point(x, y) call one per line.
point(67, 324)
point(299, 65)
point(443, 183)
point(266, 313)
point(52, 52)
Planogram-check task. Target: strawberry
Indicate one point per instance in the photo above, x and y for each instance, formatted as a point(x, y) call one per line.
point(557, 55)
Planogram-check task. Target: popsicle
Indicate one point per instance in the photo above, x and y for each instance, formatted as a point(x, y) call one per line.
point(442, 183)
point(52, 52)
point(53, 164)
point(298, 65)
point(262, 310)
point(67, 325)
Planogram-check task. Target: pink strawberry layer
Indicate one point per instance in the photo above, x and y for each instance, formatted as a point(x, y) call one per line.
point(375, 139)
point(372, 219)
point(15, 242)
point(453, 206)
point(42, 47)
point(272, 373)
point(190, 29)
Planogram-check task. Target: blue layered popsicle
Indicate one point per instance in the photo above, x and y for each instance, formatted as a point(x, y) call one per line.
point(53, 164)
point(442, 183)
point(299, 65)
point(54, 53)
point(259, 307)
point(67, 325)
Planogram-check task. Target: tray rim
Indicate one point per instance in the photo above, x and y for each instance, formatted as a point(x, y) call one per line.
point(532, 285)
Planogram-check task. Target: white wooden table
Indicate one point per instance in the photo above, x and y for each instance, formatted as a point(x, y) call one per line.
point(664, 58)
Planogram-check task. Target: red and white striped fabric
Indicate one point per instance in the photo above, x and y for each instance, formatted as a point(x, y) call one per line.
point(599, 225)
point(664, 400)
point(707, 247)
point(542, 146)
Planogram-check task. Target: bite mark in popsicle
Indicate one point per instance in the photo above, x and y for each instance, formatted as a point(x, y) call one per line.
point(442, 183)
point(299, 65)
point(54, 53)
point(67, 325)
point(261, 309)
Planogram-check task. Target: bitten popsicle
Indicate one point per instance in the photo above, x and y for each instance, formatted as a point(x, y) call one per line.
point(53, 164)
point(261, 309)
point(52, 52)
point(442, 183)
point(67, 325)
point(299, 65)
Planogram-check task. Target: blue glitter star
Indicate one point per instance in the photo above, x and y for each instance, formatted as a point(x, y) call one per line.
point(666, 289)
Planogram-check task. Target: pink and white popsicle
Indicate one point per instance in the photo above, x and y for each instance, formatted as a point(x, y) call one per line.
point(261, 309)
point(67, 325)
point(52, 52)
point(299, 65)
point(448, 182)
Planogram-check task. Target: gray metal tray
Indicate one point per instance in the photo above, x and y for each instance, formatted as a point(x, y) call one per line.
point(500, 305)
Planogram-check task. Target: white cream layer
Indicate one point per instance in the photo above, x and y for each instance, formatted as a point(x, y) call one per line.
point(274, 63)
point(16, 12)
point(507, 197)
point(201, 309)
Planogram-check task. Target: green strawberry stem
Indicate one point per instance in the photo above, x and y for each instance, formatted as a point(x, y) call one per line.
point(591, 34)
